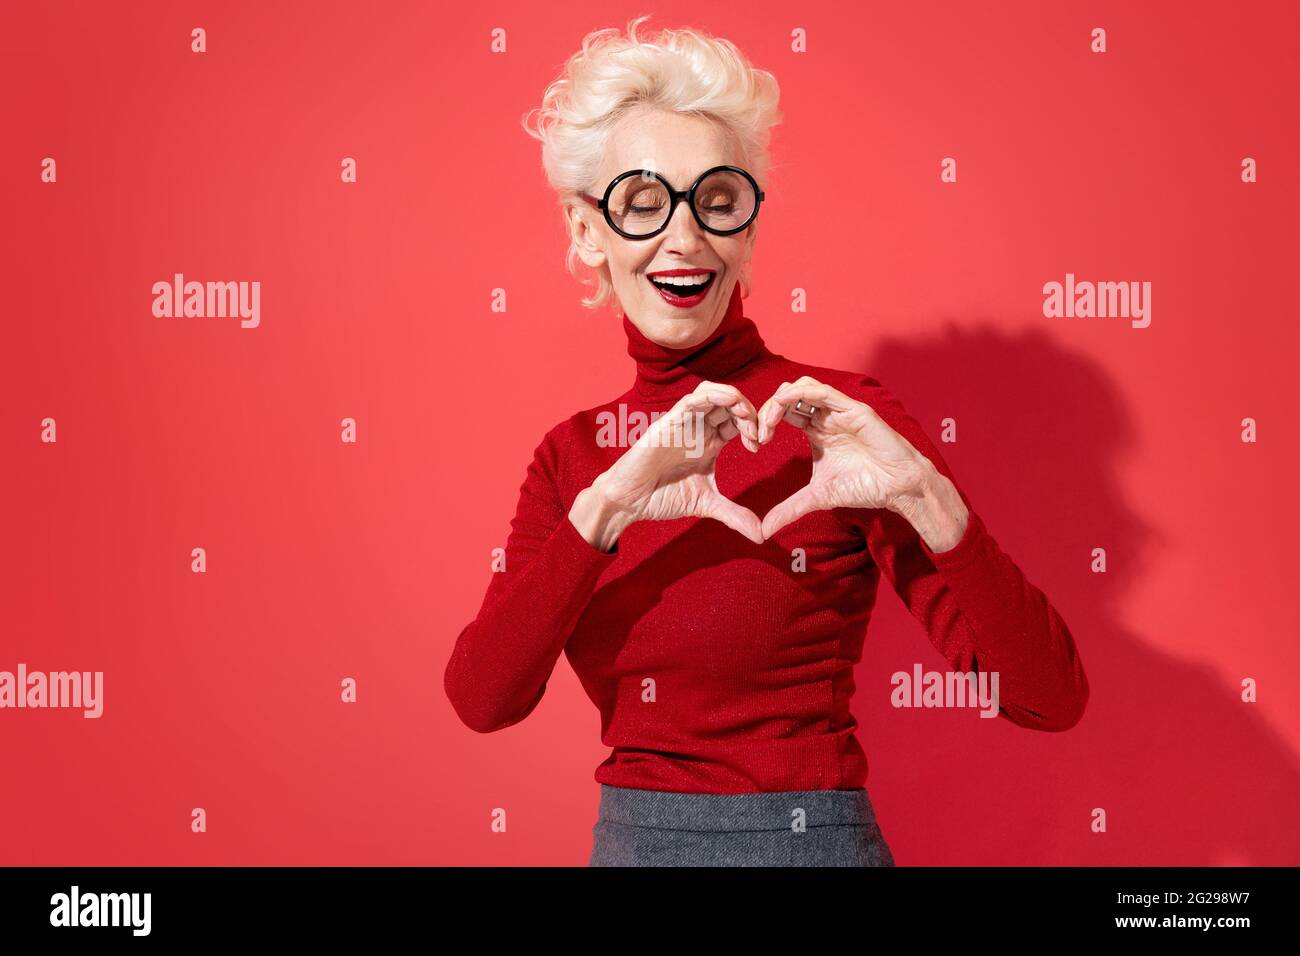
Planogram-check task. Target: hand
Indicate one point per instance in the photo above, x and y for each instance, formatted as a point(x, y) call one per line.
point(859, 461)
point(668, 472)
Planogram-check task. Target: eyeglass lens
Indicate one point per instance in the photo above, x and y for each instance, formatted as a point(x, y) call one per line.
point(725, 200)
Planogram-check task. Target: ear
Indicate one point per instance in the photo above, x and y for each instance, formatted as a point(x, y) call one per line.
point(583, 229)
point(751, 236)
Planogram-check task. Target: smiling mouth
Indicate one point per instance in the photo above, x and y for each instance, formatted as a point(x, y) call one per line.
point(683, 287)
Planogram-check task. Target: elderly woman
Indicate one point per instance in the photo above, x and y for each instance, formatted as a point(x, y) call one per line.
point(712, 597)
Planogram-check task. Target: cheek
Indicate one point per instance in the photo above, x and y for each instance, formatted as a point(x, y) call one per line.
point(629, 270)
point(734, 255)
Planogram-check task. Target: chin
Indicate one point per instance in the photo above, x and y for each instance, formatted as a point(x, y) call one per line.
point(678, 332)
point(678, 328)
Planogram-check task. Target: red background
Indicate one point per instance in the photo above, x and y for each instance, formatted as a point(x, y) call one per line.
point(328, 560)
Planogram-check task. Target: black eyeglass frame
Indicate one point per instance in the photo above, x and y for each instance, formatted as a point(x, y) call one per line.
point(674, 197)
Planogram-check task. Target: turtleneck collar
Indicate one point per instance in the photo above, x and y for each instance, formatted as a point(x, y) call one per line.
point(665, 375)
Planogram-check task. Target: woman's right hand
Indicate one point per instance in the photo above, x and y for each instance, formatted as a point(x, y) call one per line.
point(668, 472)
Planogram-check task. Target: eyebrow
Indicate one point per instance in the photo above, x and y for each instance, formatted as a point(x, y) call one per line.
point(673, 179)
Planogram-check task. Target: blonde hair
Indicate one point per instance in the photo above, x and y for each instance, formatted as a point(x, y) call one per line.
point(684, 70)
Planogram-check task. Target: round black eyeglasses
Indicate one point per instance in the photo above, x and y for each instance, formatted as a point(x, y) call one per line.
point(640, 203)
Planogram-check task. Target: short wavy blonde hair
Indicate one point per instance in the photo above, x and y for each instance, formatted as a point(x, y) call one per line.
point(683, 70)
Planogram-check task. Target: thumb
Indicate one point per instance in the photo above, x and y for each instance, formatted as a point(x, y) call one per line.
point(721, 508)
point(793, 508)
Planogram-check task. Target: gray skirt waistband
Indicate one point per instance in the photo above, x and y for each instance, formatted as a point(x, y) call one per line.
point(731, 812)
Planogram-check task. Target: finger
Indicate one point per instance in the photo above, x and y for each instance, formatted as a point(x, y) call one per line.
point(817, 393)
point(721, 508)
point(780, 407)
point(714, 393)
point(805, 420)
point(718, 415)
point(802, 502)
point(766, 428)
point(740, 406)
point(725, 423)
point(727, 398)
point(687, 423)
point(785, 411)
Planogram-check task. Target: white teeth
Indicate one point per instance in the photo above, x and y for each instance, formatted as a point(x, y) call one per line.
point(689, 282)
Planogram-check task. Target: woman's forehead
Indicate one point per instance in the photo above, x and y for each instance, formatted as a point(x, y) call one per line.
point(675, 146)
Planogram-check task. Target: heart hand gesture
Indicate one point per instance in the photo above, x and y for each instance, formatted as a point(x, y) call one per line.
point(668, 471)
point(859, 461)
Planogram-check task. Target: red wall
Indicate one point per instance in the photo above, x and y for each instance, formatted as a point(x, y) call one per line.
point(328, 560)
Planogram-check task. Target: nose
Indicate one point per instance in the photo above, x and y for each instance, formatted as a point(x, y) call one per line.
point(682, 231)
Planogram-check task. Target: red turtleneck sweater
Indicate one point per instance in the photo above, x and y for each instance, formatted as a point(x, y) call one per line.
point(717, 667)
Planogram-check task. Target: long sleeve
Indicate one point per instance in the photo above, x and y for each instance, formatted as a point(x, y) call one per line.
point(502, 660)
point(977, 607)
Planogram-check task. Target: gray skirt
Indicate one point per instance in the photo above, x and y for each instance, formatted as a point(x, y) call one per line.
point(788, 828)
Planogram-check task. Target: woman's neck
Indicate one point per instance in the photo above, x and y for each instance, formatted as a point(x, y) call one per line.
point(664, 375)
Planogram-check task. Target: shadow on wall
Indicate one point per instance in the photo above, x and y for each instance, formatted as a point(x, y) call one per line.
point(1187, 773)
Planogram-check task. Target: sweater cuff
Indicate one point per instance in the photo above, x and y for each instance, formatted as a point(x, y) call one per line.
point(573, 546)
point(967, 549)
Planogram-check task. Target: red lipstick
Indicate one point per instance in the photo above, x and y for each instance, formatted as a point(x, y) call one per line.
point(679, 295)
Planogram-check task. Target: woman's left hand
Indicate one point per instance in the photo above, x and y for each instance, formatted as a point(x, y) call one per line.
point(859, 461)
